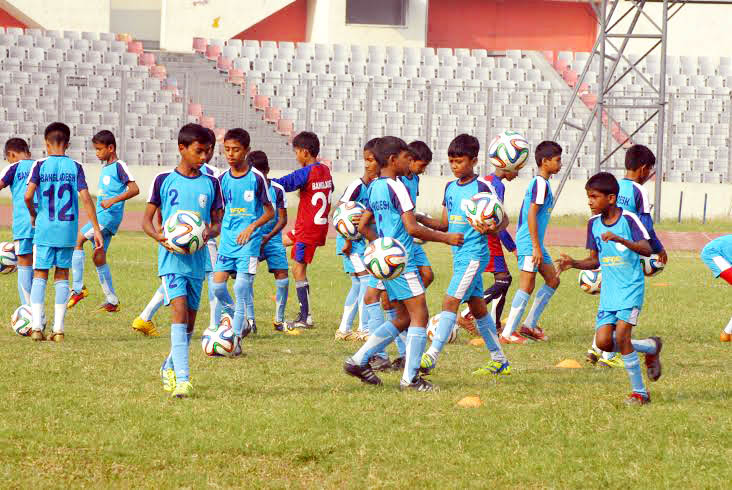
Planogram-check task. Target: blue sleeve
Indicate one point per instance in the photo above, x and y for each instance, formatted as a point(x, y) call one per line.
point(636, 233)
point(638, 202)
point(295, 180)
point(261, 191)
point(507, 240)
point(122, 175)
point(591, 244)
point(9, 174)
point(656, 244)
point(35, 175)
point(80, 178)
point(154, 197)
point(217, 198)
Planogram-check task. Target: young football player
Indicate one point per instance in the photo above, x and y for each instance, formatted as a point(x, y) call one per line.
point(391, 207)
point(469, 259)
point(717, 255)
point(315, 184)
point(60, 184)
point(352, 252)
point(532, 255)
point(15, 177)
point(247, 208)
point(185, 188)
point(272, 250)
point(639, 163)
point(616, 239)
point(116, 186)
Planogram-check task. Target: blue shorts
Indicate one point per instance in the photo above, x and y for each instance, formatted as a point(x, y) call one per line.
point(525, 263)
point(23, 246)
point(211, 254)
point(408, 285)
point(88, 232)
point(353, 264)
point(712, 256)
point(628, 315)
point(376, 284)
point(247, 264)
point(467, 279)
point(176, 286)
point(419, 258)
point(275, 255)
point(45, 257)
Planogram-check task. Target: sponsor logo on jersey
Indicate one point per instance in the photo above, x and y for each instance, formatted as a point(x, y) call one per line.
point(249, 196)
point(106, 179)
point(202, 200)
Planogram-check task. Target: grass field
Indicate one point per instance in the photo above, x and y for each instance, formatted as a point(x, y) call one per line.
point(91, 411)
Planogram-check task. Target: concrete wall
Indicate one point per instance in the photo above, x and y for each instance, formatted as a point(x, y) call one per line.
point(223, 19)
point(70, 15)
point(139, 18)
point(572, 201)
point(326, 23)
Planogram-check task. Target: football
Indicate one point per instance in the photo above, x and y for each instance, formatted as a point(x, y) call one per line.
point(590, 281)
point(8, 260)
point(482, 208)
point(21, 320)
point(184, 232)
point(343, 219)
point(220, 341)
point(509, 151)
point(652, 266)
point(385, 258)
point(432, 329)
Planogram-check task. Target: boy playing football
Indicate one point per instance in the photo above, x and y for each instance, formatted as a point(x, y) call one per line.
point(717, 255)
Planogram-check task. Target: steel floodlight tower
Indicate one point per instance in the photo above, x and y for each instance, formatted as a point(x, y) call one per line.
point(610, 47)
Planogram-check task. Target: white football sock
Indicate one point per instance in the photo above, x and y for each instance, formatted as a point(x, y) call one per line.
point(59, 312)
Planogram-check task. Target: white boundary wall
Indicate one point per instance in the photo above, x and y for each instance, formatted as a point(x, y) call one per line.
point(572, 201)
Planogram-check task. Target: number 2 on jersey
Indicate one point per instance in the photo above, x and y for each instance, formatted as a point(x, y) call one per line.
point(319, 219)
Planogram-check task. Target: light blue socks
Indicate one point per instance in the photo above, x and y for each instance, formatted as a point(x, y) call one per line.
point(632, 366)
point(442, 333)
point(224, 298)
point(416, 341)
point(242, 293)
point(363, 316)
point(487, 329)
point(59, 310)
point(105, 279)
point(350, 305)
point(179, 351)
point(38, 298)
point(154, 305)
point(25, 283)
point(283, 287)
point(377, 342)
point(520, 300)
point(542, 298)
point(77, 270)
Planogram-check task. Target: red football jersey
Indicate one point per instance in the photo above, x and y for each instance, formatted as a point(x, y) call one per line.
point(316, 186)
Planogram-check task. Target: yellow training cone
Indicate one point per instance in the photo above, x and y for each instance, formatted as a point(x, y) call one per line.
point(471, 401)
point(569, 364)
point(478, 342)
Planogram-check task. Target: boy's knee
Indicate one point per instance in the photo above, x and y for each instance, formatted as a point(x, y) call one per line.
point(99, 257)
point(427, 276)
point(450, 303)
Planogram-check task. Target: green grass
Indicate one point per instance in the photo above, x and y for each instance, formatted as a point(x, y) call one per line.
point(91, 411)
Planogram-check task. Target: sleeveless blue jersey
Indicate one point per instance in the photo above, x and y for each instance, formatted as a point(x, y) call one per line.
point(59, 180)
point(15, 177)
point(244, 198)
point(623, 283)
point(113, 181)
point(388, 199)
point(356, 191)
point(457, 195)
point(171, 191)
point(278, 197)
point(539, 192)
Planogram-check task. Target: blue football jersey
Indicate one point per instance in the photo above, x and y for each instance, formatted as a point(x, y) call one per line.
point(388, 199)
point(356, 191)
point(171, 191)
point(411, 182)
point(457, 196)
point(278, 197)
point(634, 198)
point(113, 181)
point(244, 199)
point(623, 283)
point(539, 192)
point(15, 177)
point(59, 180)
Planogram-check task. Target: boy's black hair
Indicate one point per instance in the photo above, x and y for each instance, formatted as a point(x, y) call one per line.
point(548, 150)
point(258, 160)
point(637, 156)
point(240, 135)
point(57, 133)
point(388, 146)
point(211, 137)
point(18, 145)
point(371, 144)
point(192, 133)
point(603, 182)
point(464, 145)
point(420, 151)
point(307, 141)
point(106, 138)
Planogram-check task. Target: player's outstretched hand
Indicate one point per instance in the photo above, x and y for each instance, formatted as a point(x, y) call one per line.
point(455, 239)
point(609, 236)
point(663, 257)
point(564, 263)
point(244, 235)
